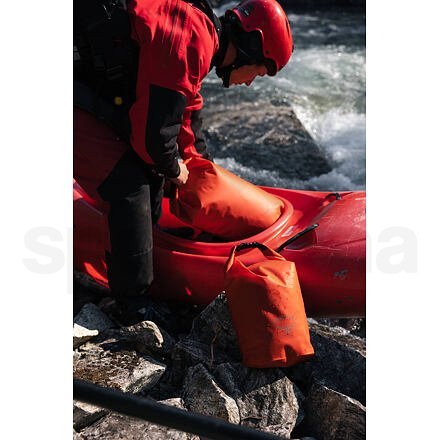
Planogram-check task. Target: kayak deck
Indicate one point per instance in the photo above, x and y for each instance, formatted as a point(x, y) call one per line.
point(330, 258)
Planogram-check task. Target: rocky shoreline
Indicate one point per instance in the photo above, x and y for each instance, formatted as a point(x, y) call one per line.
point(189, 358)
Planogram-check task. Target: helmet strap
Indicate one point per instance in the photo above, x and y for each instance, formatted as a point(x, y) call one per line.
point(241, 59)
point(225, 74)
point(224, 38)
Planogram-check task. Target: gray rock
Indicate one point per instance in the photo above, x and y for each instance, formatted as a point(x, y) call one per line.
point(146, 333)
point(339, 362)
point(356, 326)
point(77, 436)
point(117, 426)
point(124, 370)
point(203, 395)
point(107, 340)
point(177, 402)
point(85, 414)
point(92, 318)
point(214, 328)
point(81, 335)
point(265, 398)
point(211, 341)
point(334, 416)
point(300, 398)
point(187, 353)
point(146, 336)
point(239, 130)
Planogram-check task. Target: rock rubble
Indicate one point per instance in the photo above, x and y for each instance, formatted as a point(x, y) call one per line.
point(199, 368)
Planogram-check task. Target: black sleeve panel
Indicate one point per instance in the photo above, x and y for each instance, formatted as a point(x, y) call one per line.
point(165, 111)
point(199, 138)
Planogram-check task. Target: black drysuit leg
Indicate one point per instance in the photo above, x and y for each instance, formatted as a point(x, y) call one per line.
point(134, 192)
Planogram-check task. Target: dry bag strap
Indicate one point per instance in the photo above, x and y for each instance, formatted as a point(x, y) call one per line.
point(249, 245)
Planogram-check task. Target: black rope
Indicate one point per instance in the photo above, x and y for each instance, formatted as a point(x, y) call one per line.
point(165, 415)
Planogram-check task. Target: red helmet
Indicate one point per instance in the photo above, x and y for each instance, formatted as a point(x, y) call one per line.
point(269, 19)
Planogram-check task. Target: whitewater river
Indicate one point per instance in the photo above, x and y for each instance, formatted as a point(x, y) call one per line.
point(324, 84)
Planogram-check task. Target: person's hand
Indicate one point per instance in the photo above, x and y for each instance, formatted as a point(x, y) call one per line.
point(182, 177)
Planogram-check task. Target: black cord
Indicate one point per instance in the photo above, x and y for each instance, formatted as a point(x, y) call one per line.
point(165, 415)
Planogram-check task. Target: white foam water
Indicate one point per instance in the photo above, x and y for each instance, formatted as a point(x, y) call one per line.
point(324, 83)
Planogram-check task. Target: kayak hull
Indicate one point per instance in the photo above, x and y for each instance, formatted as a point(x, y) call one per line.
point(330, 259)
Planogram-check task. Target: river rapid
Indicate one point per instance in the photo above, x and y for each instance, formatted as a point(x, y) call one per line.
point(324, 85)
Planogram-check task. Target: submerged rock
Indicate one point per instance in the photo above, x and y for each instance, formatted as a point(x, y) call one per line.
point(124, 370)
point(202, 395)
point(334, 416)
point(339, 362)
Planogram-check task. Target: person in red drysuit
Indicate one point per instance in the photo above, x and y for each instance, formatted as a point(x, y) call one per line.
point(179, 42)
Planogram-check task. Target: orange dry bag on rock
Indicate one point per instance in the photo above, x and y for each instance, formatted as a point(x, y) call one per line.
point(267, 309)
point(221, 203)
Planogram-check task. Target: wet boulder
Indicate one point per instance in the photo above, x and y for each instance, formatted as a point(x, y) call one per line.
point(271, 135)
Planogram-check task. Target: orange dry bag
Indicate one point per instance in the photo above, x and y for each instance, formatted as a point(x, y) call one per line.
point(221, 203)
point(267, 309)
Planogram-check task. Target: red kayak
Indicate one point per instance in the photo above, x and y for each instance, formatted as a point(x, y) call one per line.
point(323, 233)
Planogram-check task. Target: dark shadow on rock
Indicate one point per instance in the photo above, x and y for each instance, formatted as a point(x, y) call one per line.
point(339, 362)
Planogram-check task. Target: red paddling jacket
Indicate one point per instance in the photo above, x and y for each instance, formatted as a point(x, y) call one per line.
point(176, 42)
